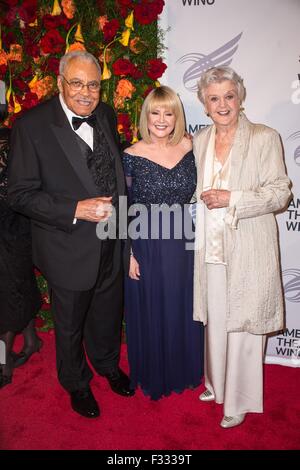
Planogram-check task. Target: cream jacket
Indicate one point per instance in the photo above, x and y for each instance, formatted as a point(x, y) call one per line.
point(254, 288)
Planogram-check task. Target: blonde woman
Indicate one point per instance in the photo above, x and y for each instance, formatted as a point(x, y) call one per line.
point(164, 343)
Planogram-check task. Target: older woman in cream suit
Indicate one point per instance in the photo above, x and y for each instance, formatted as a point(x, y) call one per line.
point(237, 291)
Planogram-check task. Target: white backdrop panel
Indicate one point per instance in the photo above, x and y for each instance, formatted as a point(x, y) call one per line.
point(260, 40)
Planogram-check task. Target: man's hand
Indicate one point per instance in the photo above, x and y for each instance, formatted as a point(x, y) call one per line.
point(215, 198)
point(94, 210)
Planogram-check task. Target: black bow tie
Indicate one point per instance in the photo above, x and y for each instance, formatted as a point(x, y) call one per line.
point(77, 121)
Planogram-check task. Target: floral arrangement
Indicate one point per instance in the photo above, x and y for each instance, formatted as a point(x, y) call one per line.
point(122, 34)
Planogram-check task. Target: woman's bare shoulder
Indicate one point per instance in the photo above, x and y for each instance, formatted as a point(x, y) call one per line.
point(187, 143)
point(135, 149)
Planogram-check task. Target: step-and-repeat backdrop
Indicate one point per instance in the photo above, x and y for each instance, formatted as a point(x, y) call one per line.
point(260, 40)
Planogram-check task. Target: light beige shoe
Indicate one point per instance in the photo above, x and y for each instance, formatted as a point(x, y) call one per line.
point(232, 421)
point(207, 396)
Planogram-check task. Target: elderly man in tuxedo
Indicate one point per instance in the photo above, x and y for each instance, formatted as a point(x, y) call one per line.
point(66, 175)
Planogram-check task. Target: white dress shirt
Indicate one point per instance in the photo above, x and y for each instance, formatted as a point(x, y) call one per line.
point(85, 131)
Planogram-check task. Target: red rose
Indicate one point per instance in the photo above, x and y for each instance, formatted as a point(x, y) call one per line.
point(124, 126)
point(148, 11)
point(28, 11)
point(29, 100)
point(158, 6)
point(64, 22)
point(3, 69)
point(123, 121)
point(32, 49)
point(39, 322)
point(124, 6)
point(20, 85)
point(8, 39)
point(51, 22)
point(155, 68)
point(52, 42)
point(123, 67)
point(26, 73)
point(52, 65)
point(110, 29)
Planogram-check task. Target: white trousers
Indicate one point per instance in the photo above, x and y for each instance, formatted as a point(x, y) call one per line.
point(233, 361)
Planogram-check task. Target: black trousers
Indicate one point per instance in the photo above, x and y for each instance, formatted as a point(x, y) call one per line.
point(89, 321)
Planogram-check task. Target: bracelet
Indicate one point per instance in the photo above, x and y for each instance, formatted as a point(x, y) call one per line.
point(131, 252)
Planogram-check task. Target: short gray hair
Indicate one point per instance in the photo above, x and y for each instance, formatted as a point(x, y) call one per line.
point(83, 55)
point(218, 75)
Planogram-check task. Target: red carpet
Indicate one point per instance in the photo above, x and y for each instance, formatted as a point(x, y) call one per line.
point(35, 414)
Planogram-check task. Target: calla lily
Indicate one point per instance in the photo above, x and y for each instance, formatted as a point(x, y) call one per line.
point(33, 81)
point(129, 20)
point(56, 10)
point(78, 34)
point(106, 73)
point(17, 106)
point(125, 37)
point(134, 138)
point(8, 93)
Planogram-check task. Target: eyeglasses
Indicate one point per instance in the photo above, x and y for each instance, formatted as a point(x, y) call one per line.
point(77, 85)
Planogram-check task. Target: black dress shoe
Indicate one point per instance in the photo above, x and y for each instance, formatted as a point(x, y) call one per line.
point(119, 382)
point(84, 403)
point(20, 358)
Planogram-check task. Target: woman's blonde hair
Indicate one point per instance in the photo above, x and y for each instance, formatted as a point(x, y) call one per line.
point(166, 97)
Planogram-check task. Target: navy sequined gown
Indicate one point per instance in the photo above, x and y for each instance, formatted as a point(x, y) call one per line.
point(165, 345)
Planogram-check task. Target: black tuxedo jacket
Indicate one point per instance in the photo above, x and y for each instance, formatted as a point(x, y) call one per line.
point(47, 177)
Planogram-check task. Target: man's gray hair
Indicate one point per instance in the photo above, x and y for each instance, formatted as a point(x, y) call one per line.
point(218, 75)
point(83, 55)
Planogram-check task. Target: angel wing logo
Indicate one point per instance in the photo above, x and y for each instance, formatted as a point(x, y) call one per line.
point(291, 281)
point(201, 62)
point(296, 136)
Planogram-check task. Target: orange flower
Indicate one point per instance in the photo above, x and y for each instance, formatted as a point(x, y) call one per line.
point(125, 88)
point(3, 58)
point(68, 8)
point(15, 53)
point(119, 101)
point(43, 87)
point(76, 46)
point(136, 45)
point(102, 20)
point(108, 55)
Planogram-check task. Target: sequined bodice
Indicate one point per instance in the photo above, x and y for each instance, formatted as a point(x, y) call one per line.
point(150, 183)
